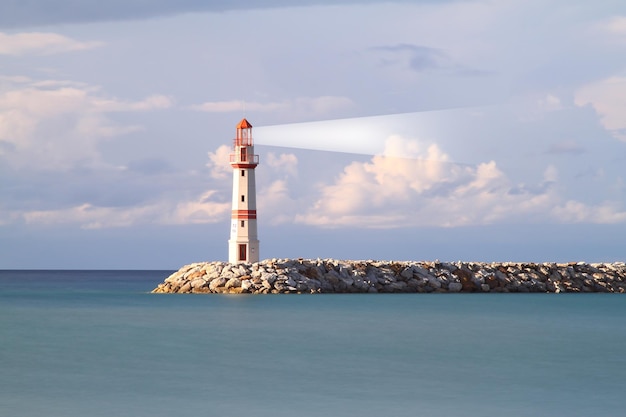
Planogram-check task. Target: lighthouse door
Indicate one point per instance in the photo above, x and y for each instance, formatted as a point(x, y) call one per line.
point(242, 252)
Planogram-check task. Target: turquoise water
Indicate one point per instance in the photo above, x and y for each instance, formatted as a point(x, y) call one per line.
point(96, 343)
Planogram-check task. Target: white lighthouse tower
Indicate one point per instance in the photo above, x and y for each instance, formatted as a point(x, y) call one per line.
point(243, 245)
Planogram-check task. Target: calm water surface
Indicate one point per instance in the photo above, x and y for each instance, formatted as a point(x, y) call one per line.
point(96, 343)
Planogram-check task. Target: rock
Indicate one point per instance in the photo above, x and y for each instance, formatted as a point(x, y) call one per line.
point(491, 281)
point(173, 278)
point(348, 281)
point(246, 285)
point(422, 273)
point(197, 274)
point(360, 284)
point(434, 282)
point(407, 273)
point(345, 270)
point(398, 286)
point(217, 283)
point(233, 282)
point(269, 277)
point(197, 283)
point(313, 284)
point(329, 275)
point(465, 277)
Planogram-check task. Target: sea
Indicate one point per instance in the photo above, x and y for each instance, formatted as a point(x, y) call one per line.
point(98, 343)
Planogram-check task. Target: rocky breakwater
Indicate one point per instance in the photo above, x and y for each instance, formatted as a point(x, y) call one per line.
point(274, 276)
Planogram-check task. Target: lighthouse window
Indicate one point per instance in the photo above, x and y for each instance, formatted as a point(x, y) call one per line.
point(243, 198)
point(243, 223)
point(243, 173)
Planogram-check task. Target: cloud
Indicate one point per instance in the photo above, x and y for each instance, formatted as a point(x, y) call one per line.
point(617, 25)
point(424, 188)
point(153, 102)
point(423, 59)
point(277, 185)
point(307, 106)
point(149, 166)
point(89, 216)
point(16, 13)
point(285, 162)
point(607, 97)
point(276, 204)
point(576, 212)
point(200, 210)
point(11, 82)
point(204, 209)
point(40, 43)
point(51, 133)
point(550, 103)
point(50, 123)
point(566, 147)
point(147, 191)
point(98, 195)
point(219, 163)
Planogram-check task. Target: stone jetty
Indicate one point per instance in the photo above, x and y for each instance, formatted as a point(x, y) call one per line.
point(298, 276)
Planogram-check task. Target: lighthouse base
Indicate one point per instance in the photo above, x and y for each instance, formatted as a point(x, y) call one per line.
point(243, 251)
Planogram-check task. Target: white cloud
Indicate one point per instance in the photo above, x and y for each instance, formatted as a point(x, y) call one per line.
point(154, 102)
point(426, 189)
point(171, 207)
point(285, 162)
point(15, 82)
point(387, 182)
point(608, 98)
point(219, 163)
point(275, 200)
point(550, 103)
point(551, 174)
point(88, 216)
point(163, 205)
point(576, 212)
point(233, 106)
point(14, 79)
point(203, 209)
point(276, 204)
point(617, 25)
point(41, 43)
point(95, 125)
point(536, 106)
point(49, 123)
point(312, 106)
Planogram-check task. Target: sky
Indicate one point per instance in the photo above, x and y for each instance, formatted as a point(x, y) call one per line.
point(475, 130)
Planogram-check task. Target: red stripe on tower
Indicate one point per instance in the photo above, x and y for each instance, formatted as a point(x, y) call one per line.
point(243, 214)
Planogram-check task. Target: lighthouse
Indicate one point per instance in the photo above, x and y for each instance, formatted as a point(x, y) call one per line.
point(243, 245)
